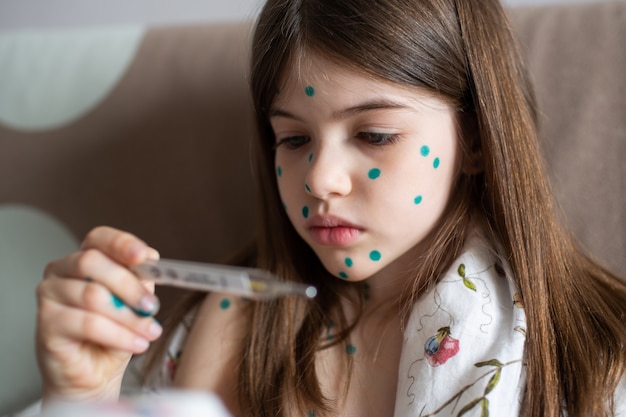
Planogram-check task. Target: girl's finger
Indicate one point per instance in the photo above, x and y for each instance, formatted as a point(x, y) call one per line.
point(94, 265)
point(123, 247)
point(59, 323)
point(93, 297)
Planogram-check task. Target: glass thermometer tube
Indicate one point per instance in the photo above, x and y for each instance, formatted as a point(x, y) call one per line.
point(246, 282)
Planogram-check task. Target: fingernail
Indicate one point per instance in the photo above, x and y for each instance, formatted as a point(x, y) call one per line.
point(153, 254)
point(148, 305)
point(141, 344)
point(134, 249)
point(155, 329)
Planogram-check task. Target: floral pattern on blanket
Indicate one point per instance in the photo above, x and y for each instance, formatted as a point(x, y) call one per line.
point(464, 343)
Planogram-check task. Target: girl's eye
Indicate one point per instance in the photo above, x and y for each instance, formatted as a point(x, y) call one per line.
point(293, 142)
point(378, 139)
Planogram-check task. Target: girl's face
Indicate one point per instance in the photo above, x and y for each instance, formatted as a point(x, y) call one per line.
point(364, 167)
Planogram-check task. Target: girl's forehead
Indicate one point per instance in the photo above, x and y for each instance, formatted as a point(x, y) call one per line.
point(307, 68)
point(315, 76)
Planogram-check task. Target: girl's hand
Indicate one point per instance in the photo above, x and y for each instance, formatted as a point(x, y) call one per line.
point(93, 314)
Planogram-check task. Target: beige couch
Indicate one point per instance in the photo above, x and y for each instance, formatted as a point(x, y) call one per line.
point(147, 129)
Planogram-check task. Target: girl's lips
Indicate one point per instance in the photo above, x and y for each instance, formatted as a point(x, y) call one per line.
point(333, 231)
point(334, 236)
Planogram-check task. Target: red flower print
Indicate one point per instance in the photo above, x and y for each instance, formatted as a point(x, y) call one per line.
point(440, 347)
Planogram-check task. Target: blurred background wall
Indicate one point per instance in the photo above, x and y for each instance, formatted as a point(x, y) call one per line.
point(53, 13)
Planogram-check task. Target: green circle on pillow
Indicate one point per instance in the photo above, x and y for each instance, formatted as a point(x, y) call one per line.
point(55, 76)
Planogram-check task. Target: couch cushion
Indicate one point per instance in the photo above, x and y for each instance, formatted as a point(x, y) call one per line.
point(577, 59)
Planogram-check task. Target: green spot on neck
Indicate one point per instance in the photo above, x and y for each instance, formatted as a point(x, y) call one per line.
point(309, 91)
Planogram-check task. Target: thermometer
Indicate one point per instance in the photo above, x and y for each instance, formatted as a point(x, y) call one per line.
point(246, 282)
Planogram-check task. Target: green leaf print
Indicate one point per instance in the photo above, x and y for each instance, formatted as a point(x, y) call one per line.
point(469, 406)
point(482, 400)
point(484, 404)
point(492, 362)
point(493, 381)
point(469, 284)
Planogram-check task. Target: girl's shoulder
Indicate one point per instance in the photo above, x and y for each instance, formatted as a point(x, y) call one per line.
point(213, 330)
point(210, 342)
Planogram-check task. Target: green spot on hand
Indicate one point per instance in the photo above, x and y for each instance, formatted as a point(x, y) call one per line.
point(375, 255)
point(117, 301)
point(436, 163)
point(373, 173)
point(307, 188)
point(305, 212)
point(348, 262)
point(225, 304)
point(425, 150)
point(418, 199)
point(309, 91)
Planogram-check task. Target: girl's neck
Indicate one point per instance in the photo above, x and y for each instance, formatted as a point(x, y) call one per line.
point(387, 289)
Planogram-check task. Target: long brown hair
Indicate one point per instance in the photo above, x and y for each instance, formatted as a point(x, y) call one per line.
point(463, 51)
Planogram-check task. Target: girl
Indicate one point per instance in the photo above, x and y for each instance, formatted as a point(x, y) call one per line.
point(397, 158)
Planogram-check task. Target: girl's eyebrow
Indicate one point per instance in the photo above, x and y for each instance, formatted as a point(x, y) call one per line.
point(372, 105)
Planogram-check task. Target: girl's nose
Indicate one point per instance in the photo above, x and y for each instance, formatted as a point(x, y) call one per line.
point(328, 174)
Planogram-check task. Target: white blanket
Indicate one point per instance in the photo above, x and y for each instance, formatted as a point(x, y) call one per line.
point(464, 344)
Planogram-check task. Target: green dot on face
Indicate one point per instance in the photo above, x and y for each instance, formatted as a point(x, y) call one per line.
point(310, 157)
point(425, 150)
point(309, 91)
point(375, 255)
point(279, 171)
point(350, 349)
point(373, 173)
point(418, 199)
point(436, 163)
point(349, 262)
point(307, 188)
point(225, 303)
point(343, 275)
point(305, 212)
